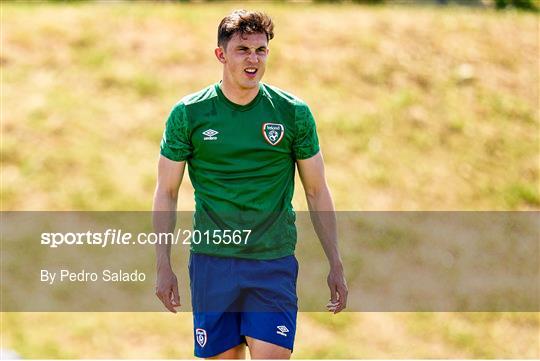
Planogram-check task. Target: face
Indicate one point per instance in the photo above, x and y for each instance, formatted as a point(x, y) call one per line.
point(244, 59)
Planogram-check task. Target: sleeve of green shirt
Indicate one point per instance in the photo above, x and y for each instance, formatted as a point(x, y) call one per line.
point(176, 144)
point(306, 142)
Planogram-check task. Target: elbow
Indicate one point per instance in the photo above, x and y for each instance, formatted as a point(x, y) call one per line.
point(313, 193)
point(169, 194)
point(316, 191)
point(310, 195)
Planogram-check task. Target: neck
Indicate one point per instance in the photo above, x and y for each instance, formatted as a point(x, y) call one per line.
point(236, 94)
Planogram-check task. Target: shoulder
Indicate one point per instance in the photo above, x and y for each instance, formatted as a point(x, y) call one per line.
point(197, 98)
point(279, 95)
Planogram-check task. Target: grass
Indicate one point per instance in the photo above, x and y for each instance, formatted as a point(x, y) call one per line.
point(352, 335)
point(427, 119)
point(417, 109)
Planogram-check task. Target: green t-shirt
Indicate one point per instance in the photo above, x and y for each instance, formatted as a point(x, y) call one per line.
point(241, 162)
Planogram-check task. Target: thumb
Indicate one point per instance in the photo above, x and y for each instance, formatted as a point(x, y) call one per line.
point(175, 296)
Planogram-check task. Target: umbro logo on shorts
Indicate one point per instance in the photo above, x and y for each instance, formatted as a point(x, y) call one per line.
point(200, 336)
point(282, 330)
point(210, 134)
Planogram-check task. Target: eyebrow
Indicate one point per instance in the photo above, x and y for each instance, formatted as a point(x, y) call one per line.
point(246, 47)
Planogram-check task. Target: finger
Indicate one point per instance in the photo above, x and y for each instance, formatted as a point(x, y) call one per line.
point(339, 308)
point(166, 302)
point(175, 296)
point(331, 306)
point(342, 292)
point(169, 299)
point(169, 305)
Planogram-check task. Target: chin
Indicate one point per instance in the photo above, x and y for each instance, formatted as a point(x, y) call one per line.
point(250, 84)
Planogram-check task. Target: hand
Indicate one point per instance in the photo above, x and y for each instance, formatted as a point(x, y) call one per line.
point(167, 289)
point(338, 290)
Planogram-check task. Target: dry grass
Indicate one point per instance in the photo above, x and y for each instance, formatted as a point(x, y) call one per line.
point(420, 109)
point(319, 335)
point(417, 109)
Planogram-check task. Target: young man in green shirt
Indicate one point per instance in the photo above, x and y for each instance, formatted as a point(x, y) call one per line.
point(242, 140)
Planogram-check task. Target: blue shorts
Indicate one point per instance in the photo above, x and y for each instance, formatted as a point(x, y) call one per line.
point(233, 298)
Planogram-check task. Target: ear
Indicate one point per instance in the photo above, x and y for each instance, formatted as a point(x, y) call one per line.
point(220, 54)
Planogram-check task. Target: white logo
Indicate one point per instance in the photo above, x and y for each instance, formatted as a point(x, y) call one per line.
point(273, 135)
point(200, 335)
point(282, 330)
point(210, 134)
point(273, 132)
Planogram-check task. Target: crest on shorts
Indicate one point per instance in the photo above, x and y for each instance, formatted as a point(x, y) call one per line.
point(273, 132)
point(200, 336)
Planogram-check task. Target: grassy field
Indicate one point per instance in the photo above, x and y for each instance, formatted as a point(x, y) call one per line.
point(319, 335)
point(417, 109)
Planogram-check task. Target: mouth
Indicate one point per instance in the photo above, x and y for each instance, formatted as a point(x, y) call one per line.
point(250, 72)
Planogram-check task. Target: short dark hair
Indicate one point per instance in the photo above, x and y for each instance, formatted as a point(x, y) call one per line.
point(244, 22)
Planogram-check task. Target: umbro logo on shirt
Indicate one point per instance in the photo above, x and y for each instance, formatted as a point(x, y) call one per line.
point(210, 134)
point(282, 330)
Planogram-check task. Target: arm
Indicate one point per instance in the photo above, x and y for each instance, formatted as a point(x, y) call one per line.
point(323, 217)
point(170, 174)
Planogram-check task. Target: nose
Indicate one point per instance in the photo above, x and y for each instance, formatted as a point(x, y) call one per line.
point(253, 58)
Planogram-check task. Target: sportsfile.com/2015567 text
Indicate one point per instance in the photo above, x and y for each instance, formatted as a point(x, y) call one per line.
point(118, 237)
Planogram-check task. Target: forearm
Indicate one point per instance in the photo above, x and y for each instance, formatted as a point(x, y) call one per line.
point(164, 221)
point(323, 217)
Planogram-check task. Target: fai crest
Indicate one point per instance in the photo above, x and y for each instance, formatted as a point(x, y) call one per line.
point(273, 133)
point(200, 335)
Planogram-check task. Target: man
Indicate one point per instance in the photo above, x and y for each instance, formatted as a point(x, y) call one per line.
point(242, 139)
